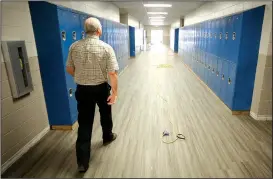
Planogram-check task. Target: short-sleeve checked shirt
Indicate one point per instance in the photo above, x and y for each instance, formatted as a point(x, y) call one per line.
point(91, 59)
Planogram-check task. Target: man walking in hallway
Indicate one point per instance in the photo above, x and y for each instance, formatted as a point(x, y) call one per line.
point(89, 61)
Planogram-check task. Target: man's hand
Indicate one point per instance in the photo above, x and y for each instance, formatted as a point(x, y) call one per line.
point(112, 99)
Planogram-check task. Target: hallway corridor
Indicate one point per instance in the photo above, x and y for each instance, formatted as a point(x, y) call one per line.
point(153, 99)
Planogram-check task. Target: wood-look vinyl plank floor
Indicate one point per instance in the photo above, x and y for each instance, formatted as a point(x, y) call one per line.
point(151, 100)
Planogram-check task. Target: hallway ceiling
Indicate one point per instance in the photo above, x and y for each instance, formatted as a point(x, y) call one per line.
point(138, 11)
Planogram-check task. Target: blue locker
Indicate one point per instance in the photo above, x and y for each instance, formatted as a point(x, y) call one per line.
point(132, 41)
point(223, 84)
point(176, 39)
point(235, 37)
point(216, 37)
point(65, 26)
point(218, 76)
point(231, 81)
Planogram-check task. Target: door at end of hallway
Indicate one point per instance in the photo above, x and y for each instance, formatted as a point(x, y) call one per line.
point(156, 37)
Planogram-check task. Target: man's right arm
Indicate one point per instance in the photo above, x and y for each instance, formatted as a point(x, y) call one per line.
point(112, 68)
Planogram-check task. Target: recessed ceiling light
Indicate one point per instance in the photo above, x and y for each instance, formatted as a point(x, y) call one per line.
point(157, 20)
point(157, 5)
point(162, 13)
point(157, 17)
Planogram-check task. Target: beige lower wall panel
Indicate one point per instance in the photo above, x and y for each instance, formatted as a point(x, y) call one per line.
point(267, 80)
point(269, 61)
point(9, 106)
point(13, 137)
point(25, 140)
point(11, 121)
point(265, 108)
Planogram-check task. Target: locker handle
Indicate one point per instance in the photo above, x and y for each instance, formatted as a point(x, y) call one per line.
point(209, 67)
point(70, 92)
point(223, 76)
point(212, 70)
point(226, 35)
point(83, 35)
point(63, 35)
point(229, 81)
point(74, 35)
point(220, 36)
point(217, 73)
point(215, 35)
point(233, 35)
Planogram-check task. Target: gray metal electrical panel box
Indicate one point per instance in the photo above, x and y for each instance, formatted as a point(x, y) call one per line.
point(16, 61)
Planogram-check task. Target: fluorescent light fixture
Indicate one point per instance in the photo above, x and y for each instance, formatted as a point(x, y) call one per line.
point(161, 13)
point(157, 17)
point(157, 21)
point(157, 5)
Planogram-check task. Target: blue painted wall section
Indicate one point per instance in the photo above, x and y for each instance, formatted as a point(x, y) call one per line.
point(223, 52)
point(55, 29)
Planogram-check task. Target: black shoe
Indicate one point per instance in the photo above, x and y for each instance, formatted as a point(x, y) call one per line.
point(106, 142)
point(82, 169)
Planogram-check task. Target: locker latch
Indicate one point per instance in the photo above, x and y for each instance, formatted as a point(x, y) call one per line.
point(209, 67)
point(212, 70)
point(226, 35)
point(229, 81)
point(215, 35)
point(223, 76)
point(74, 35)
point(83, 35)
point(63, 35)
point(70, 92)
point(217, 73)
point(233, 35)
point(220, 36)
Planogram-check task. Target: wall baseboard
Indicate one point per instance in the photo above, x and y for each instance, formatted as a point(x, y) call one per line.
point(260, 117)
point(24, 150)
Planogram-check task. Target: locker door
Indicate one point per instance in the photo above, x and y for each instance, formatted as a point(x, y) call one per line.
point(235, 37)
point(70, 26)
point(83, 17)
point(216, 37)
point(223, 84)
point(218, 76)
point(221, 35)
point(210, 61)
point(225, 37)
point(209, 37)
point(231, 84)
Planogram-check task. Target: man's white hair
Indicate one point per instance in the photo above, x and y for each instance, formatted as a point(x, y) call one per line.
point(92, 25)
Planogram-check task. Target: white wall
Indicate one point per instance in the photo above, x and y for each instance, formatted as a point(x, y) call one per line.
point(172, 38)
point(175, 24)
point(262, 95)
point(216, 9)
point(23, 120)
point(133, 21)
point(101, 9)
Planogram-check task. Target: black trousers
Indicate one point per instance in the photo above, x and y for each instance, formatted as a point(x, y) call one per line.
point(87, 97)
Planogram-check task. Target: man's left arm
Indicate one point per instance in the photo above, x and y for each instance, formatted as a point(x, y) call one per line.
point(70, 67)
